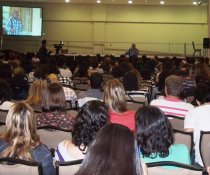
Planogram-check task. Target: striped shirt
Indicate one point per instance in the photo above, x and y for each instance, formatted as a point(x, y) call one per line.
point(172, 106)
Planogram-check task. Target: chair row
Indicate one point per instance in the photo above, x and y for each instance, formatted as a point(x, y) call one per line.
point(11, 166)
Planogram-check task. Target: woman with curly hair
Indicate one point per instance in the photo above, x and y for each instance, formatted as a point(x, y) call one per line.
point(20, 139)
point(91, 118)
point(155, 137)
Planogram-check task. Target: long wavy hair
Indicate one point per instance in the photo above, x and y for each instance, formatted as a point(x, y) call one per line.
point(114, 96)
point(21, 134)
point(113, 152)
point(153, 132)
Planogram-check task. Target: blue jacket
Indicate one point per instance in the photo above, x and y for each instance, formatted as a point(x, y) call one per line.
point(40, 154)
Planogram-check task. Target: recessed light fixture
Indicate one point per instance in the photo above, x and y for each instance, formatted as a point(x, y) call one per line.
point(162, 2)
point(67, 0)
point(130, 2)
point(195, 3)
point(98, 1)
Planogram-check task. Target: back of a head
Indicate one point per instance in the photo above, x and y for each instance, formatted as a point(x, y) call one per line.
point(20, 131)
point(202, 93)
point(35, 92)
point(44, 42)
point(53, 97)
point(173, 85)
point(153, 131)
point(92, 116)
point(113, 152)
point(96, 80)
point(52, 78)
point(114, 96)
point(130, 82)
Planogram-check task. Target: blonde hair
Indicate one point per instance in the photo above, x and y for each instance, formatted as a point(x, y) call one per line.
point(35, 92)
point(21, 133)
point(114, 96)
point(52, 78)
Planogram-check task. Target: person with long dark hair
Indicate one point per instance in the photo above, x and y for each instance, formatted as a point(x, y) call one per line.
point(113, 152)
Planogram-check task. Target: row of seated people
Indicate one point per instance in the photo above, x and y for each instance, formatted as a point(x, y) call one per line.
point(97, 141)
point(115, 99)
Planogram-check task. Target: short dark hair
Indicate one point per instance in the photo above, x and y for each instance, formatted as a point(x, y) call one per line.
point(96, 80)
point(113, 146)
point(202, 93)
point(153, 131)
point(173, 85)
point(92, 116)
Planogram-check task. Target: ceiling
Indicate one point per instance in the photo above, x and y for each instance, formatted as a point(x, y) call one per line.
point(116, 2)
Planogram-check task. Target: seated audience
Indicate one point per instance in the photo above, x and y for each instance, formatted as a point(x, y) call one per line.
point(115, 99)
point(94, 91)
point(113, 152)
point(92, 116)
point(155, 137)
point(198, 118)
point(172, 104)
point(35, 94)
point(53, 108)
point(5, 95)
point(21, 141)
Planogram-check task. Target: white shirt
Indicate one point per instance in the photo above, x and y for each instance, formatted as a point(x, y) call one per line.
point(198, 119)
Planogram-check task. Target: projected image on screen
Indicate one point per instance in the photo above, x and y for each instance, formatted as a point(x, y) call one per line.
point(22, 21)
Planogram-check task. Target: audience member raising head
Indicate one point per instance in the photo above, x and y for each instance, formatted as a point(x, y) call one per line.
point(53, 107)
point(113, 152)
point(155, 137)
point(20, 139)
point(115, 99)
point(92, 117)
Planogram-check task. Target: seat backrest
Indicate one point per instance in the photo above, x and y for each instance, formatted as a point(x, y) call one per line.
point(176, 122)
point(205, 147)
point(186, 138)
point(3, 115)
point(136, 100)
point(12, 166)
point(2, 127)
point(52, 136)
point(68, 168)
point(178, 169)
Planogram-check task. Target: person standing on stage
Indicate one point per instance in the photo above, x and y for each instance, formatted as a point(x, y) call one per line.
point(133, 53)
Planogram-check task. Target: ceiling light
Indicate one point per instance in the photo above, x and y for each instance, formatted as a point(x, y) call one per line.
point(162, 2)
point(98, 1)
point(195, 2)
point(130, 2)
point(67, 0)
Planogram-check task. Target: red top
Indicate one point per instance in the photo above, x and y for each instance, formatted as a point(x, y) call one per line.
point(126, 118)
